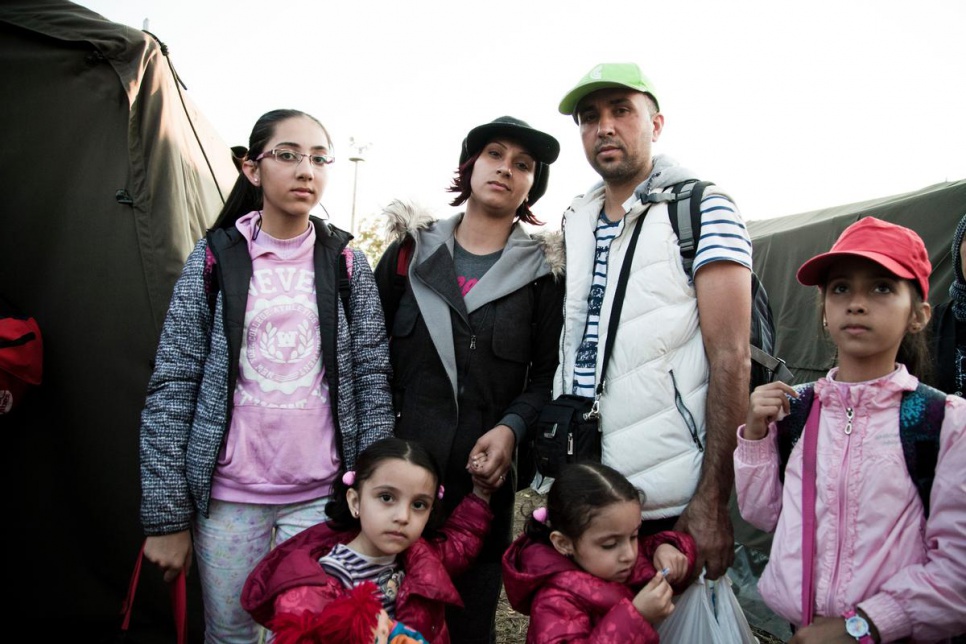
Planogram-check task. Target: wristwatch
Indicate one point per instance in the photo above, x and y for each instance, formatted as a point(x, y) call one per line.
point(858, 627)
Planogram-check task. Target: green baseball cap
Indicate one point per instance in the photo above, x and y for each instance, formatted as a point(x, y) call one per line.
point(608, 75)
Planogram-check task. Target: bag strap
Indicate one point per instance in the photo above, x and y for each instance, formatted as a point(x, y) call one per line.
point(921, 416)
point(404, 256)
point(775, 365)
point(345, 281)
point(615, 311)
point(808, 511)
point(179, 601)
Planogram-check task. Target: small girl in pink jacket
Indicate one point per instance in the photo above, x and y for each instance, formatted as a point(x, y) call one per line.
point(857, 555)
point(580, 571)
point(375, 534)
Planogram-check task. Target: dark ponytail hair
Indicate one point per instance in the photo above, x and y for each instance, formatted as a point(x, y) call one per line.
point(914, 348)
point(244, 196)
point(577, 496)
point(340, 517)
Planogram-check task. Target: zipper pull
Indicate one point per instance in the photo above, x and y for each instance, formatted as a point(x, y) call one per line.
point(850, 414)
point(472, 343)
point(570, 444)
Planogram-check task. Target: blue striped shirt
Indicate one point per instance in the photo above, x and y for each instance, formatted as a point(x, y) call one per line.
point(586, 362)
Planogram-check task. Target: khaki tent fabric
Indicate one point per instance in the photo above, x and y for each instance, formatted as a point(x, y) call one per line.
point(783, 244)
point(106, 190)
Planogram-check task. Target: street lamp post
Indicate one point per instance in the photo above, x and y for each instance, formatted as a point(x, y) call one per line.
point(358, 149)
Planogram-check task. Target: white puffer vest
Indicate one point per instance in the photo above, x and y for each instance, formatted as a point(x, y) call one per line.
point(652, 411)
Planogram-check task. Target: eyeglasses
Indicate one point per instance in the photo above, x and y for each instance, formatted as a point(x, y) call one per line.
point(291, 157)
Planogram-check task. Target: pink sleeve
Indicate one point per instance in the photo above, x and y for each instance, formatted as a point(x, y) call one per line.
point(928, 601)
point(756, 479)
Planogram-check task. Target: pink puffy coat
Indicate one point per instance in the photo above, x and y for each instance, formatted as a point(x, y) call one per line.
point(293, 567)
point(873, 546)
point(566, 604)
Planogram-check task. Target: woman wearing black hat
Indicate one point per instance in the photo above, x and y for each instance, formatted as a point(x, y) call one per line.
point(473, 309)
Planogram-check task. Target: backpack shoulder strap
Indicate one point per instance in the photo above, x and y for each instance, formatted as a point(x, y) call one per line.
point(791, 426)
point(404, 256)
point(921, 416)
point(345, 281)
point(685, 214)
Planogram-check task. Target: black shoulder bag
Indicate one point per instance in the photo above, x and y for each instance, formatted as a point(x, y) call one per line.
point(568, 429)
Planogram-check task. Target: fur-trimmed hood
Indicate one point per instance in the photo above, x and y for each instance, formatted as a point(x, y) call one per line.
point(406, 218)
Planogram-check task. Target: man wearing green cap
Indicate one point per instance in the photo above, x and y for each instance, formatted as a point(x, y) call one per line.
point(677, 382)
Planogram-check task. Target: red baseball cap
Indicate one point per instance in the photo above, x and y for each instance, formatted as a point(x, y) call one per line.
point(896, 248)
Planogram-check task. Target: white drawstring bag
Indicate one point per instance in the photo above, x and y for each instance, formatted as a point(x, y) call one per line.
point(707, 613)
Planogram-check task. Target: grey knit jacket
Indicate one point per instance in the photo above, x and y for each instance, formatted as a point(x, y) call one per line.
point(189, 403)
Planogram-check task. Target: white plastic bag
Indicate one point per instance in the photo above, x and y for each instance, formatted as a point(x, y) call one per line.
point(707, 613)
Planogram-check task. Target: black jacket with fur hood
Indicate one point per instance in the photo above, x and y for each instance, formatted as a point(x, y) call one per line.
point(462, 365)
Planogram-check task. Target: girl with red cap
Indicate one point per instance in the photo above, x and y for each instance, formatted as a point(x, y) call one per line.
point(860, 474)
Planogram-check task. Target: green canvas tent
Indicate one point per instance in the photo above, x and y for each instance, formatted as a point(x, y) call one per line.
point(110, 176)
point(783, 244)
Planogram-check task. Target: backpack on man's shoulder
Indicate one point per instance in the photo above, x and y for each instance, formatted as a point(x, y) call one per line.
point(921, 414)
point(684, 211)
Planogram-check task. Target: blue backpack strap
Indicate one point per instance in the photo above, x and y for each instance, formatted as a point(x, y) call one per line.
point(920, 423)
point(790, 427)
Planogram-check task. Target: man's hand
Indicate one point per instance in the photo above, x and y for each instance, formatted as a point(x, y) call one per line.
point(709, 523)
point(491, 457)
point(171, 552)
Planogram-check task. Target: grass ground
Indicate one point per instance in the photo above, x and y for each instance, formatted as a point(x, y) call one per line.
point(511, 626)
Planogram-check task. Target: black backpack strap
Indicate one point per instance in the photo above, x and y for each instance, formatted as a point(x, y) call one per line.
point(685, 214)
point(920, 424)
point(345, 285)
point(791, 426)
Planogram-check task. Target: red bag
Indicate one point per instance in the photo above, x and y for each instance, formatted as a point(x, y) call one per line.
point(21, 356)
point(179, 601)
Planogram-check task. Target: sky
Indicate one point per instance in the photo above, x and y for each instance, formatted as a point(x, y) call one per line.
point(787, 106)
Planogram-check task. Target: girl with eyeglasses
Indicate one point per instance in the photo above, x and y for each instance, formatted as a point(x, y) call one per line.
point(271, 376)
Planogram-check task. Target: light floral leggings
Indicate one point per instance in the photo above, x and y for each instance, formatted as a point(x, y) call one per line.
point(227, 546)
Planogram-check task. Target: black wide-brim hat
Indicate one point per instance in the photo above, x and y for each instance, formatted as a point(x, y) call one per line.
point(544, 148)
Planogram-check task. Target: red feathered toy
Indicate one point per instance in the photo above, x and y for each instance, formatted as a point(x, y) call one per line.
point(355, 618)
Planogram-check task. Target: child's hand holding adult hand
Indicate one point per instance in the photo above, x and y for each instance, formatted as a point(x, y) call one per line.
point(769, 403)
point(492, 455)
point(653, 602)
point(667, 557)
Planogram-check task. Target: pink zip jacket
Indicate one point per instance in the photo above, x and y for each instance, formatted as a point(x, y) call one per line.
point(874, 547)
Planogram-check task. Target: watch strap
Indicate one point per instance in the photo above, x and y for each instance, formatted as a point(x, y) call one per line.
point(865, 638)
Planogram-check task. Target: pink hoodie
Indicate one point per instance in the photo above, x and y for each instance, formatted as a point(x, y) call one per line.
point(873, 546)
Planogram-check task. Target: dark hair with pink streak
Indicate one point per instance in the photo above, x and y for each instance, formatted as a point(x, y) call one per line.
point(461, 185)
